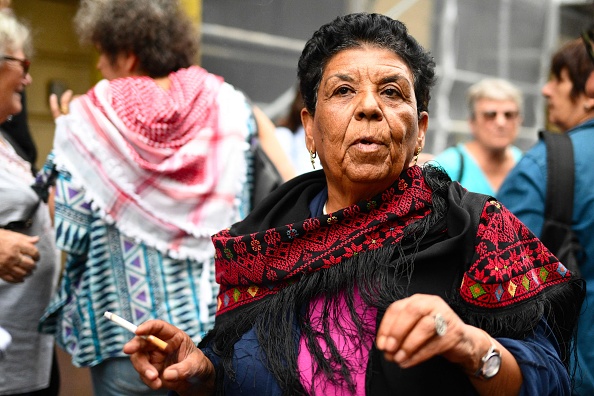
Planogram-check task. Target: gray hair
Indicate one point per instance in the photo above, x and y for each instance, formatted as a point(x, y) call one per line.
point(494, 89)
point(14, 35)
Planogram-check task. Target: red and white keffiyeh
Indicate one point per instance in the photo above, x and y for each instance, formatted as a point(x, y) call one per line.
point(166, 166)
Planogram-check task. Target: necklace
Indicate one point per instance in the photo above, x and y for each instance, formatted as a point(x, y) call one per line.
point(324, 211)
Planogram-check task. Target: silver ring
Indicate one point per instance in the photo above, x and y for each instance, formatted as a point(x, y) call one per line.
point(440, 325)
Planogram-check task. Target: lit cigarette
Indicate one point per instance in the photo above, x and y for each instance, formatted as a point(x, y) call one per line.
point(159, 343)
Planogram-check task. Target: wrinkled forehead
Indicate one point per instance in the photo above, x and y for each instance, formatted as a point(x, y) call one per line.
point(366, 58)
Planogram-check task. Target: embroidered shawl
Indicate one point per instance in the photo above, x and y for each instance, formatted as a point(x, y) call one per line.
point(510, 264)
point(418, 236)
point(167, 170)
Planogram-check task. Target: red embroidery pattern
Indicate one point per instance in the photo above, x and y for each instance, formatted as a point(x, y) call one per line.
point(510, 263)
point(250, 267)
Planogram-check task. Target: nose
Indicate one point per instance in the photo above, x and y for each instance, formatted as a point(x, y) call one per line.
point(368, 107)
point(500, 118)
point(546, 90)
point(27, 79)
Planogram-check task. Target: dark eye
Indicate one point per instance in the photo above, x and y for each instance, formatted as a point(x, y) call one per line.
point(343, 90)
point(392, 92)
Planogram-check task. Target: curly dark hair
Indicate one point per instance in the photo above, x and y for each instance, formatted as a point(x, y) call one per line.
point(355, 30)
point(573, 57)
point(158, 32)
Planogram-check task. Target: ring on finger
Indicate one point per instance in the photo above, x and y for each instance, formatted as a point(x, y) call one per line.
point(441, 325)
point(64, 109)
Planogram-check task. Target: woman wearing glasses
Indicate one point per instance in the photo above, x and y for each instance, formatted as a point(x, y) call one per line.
point(524, 191)
point(28, 257)
point(482, 163)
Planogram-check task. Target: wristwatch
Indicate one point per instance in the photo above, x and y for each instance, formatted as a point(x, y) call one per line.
point(490, 364)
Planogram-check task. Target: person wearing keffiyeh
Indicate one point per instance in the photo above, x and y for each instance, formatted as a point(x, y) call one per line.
point(374, 276)
point(148, 164)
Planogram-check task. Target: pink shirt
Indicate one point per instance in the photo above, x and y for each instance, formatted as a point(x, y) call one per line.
point(344, 334)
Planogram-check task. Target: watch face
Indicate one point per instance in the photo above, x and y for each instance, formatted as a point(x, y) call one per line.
point(492, 365)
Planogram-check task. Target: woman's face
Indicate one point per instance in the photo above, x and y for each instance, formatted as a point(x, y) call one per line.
point(495, 123)
point(13, 81)
point(563, 111)
point(365, 128)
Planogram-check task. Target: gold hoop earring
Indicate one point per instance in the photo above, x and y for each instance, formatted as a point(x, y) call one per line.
point(416, 157)
point(312, 158)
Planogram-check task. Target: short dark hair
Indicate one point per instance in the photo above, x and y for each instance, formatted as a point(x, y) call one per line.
point(354, 30)
point(158, 32)
point(573, 57)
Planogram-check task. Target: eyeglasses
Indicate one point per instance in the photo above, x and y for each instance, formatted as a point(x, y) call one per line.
point(25, 63)
point(588, 38)
point(491, 115)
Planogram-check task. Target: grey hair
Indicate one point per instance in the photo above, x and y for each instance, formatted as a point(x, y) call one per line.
point(494, 89)
point(14, 35)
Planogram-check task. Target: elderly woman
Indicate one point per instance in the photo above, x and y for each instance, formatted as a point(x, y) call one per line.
point(372, 276)
point(149, 164)
point(29, 265)
point(482, 163)
point(571, 110)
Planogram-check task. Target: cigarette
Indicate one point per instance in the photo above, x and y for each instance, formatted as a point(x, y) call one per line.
point(159, 343)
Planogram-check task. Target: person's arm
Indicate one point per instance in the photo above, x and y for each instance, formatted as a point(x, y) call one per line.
point(182, 367)
point(271, 145)
point(407, 336)
point(18, 255)
point(538, 357)
point(51, 203)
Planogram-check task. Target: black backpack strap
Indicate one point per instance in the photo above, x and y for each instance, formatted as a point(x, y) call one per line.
point(560, 177)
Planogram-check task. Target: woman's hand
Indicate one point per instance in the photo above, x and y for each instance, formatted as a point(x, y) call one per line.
point(18, 255)
point(62, 106)
point(420, 327)
point(182, 367)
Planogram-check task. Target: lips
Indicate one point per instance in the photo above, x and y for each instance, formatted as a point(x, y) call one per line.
point(368, 145)
point(369, 141)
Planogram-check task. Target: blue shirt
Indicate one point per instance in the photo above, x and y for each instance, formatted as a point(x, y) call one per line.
point(471, 176)
point(524, 194)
